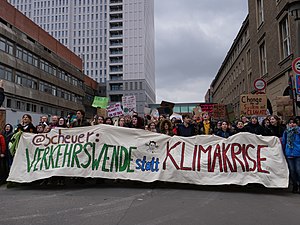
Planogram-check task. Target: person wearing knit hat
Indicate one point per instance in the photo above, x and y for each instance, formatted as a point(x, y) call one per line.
point(254, 127)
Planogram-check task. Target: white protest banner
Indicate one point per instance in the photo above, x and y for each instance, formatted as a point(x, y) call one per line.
point(129, 104)
point(123, 153)
point(114, 110)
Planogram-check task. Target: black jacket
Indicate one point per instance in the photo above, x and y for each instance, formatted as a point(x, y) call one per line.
point(255, 129)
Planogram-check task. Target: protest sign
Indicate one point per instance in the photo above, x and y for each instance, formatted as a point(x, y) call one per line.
point(114, 110)
point(129, 104)
point(122, 153)
point(253, 105)
point(100, 102)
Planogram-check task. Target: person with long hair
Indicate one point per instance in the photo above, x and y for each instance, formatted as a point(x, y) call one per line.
point(166, 127)
point(26, 124)
point(225, 131)
point(291, 147)
point(275, 127)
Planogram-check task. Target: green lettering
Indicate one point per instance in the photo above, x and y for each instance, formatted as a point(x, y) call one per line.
point(74, 155)
point(88, 154)
point(95, 163)
point(115, 159)
point(130, 159)
point(123, 163)
point(30, 164)
point(67, 155)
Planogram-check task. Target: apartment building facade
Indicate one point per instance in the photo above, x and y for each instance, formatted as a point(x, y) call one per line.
point(114, 38)
point(264, 48)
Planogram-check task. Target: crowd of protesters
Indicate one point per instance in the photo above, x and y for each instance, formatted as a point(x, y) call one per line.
point(186, 126)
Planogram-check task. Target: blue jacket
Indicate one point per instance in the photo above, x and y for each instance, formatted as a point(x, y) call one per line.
point(291, 152)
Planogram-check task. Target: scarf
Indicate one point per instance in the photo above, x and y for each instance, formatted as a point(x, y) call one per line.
point(291, 133)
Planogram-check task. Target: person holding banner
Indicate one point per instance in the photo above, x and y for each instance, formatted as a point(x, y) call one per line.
point(186, 129)
point(291, 146)
point(206, 127)
point(26, 124)
point(136, 122)
point(166, 127)
point(121, 122)
point(224, 132)
point(108, 121)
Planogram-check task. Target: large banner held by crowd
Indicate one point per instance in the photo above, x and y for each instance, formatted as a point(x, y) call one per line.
point(122, 153)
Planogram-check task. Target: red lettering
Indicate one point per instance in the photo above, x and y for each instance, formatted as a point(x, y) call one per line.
point(202, 149)
point(194, 158)
point(252, 160)
point(217, 154)
point(182, 159)
point(170, 156)
point(225, 158)
point(234, 155)
point(259, 159)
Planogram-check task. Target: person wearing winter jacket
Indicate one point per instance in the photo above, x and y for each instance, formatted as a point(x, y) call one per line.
point(254, 127)
point(291, 147)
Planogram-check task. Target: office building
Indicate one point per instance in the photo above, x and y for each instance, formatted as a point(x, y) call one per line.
point(114, 38)
point(42, 77)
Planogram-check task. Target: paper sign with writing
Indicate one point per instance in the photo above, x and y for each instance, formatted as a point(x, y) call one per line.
point(114, 110)
point(100, 102)
point(253, 105)
point(129, 104)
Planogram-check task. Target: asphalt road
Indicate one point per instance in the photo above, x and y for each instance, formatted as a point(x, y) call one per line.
point(135, 203)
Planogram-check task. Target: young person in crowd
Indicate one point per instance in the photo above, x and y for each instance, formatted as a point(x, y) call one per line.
point(121, 122)
point(206, 126)
point(80, 120)
point(166, 127)
point(186, 129)
point(7, 133)
point(62, 122)
point(225, 131)
point(108, 121)
point(239, 127)
point(254, 127)
point(136, 122)
point(152, 127)
point(3, 162)
point(291, 146)
point(275, 127)
point(26, 124)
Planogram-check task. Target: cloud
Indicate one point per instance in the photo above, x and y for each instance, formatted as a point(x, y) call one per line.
point(192, 39)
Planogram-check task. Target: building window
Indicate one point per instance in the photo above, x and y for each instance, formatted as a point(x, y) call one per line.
point(5, 73)
point(285, 38)
point(260, 12)
point(263, 58)
point(6, 46)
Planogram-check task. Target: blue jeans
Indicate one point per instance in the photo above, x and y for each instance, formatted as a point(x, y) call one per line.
point(294, 168)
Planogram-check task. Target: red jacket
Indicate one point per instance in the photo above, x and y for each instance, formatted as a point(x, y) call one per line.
point(2, 145)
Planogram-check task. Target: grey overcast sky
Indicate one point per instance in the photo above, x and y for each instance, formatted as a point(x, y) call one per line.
point(192, 38)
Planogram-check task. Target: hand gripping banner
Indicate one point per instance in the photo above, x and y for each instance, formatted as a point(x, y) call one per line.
point(132, 154)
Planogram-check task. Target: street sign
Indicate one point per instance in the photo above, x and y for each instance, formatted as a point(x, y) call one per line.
point(296, 65)
point(297, 83)
point(260, 84)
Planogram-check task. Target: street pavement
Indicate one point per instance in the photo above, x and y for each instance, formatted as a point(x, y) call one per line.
point(136, 203)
